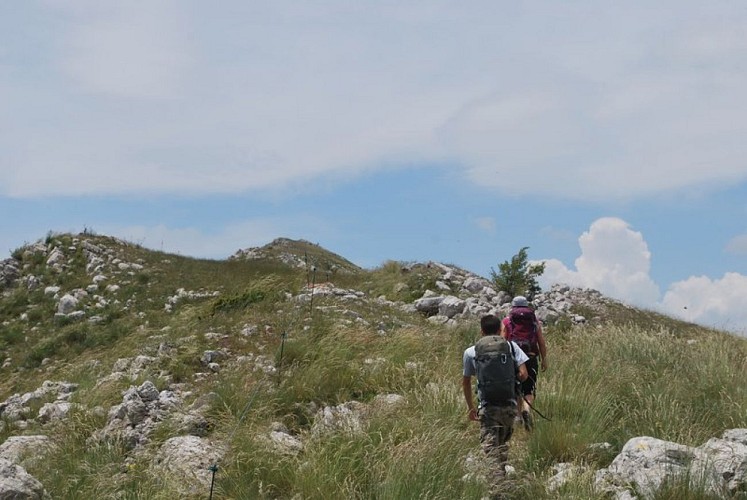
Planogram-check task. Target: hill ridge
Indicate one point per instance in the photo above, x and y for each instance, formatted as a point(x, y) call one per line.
point(109, 346)
point(300, 254)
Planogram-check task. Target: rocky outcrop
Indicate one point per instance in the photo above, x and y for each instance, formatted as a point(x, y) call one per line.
point(718, 468)
point(645, 463)
point(464, 296)
point(54, 259)
point(19, 407)
point(187, 462)
point(10, 271)
point(351, 417)
point(299, 254)
point(17, 484)
point(183, 295)
point(20, 449)
point(135, 419)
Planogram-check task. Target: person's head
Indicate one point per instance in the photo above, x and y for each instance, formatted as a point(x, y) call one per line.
point(520, 301)
point(489, 325)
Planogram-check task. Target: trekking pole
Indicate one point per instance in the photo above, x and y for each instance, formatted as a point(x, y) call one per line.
point(536, 410)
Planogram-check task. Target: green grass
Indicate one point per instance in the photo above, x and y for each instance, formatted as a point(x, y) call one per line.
point(401, 281)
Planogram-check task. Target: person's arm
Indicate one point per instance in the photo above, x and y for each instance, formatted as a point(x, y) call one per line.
point(504, 332)
point(542, 346)
point(467, 390)
point(520, 358)
point(523, 373)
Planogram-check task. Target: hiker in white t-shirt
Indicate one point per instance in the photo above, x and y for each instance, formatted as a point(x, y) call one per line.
point(496, 420)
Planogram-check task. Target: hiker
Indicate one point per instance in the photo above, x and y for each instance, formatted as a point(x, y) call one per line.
point(522, 326)
point(497, 386)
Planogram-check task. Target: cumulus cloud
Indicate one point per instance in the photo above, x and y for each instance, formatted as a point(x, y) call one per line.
point(615, 260)
point(720, 303)
point(153, 96)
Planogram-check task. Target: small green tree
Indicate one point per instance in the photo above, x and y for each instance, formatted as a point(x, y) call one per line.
point(517, 276)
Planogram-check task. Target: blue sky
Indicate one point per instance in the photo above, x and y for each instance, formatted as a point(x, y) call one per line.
point(607, 137)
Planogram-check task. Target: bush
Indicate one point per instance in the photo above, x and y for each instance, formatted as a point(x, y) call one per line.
point(517, 276)
point(12, 335)
point(268, 288)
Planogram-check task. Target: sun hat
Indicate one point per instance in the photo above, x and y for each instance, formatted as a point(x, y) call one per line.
point(520, 301)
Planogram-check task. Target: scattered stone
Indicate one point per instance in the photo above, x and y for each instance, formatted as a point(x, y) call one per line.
point(67, 304)
point(450, 306)
point(343, 418)
point(645, 463)
point(17, 484)
point(19, 449)
point(186, 460)
point(285, 444)
point(54, 411)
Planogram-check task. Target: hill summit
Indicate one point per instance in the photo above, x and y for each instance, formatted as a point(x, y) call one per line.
point(299, 254)
point(286, 371)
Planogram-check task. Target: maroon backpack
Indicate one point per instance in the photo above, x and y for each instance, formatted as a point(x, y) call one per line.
point(522, 328)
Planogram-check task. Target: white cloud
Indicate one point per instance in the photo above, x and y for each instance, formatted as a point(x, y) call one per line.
point(720, 303)
point(156, 96)
point(616, 261)
point(138, 49)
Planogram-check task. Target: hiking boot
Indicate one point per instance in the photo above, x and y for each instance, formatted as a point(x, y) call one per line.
point(526, 417)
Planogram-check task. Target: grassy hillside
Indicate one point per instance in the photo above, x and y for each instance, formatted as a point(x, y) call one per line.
point(286, 356)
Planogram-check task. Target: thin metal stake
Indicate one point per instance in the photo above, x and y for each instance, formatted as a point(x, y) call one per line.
point(213, 468)
point(280, 359)
point(311, 302)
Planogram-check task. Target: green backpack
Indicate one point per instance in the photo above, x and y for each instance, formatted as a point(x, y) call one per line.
point(496, 370)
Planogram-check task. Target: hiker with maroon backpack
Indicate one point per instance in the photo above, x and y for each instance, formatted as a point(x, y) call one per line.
point(499, 367)
point(522, 326)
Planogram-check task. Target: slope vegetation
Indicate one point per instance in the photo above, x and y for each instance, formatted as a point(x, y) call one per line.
point(289, 372)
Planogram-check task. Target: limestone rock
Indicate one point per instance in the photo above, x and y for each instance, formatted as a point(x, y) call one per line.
point(344, 418)
point(18, 449)
point(645, 463)
point(428, 305)
point(187, 459)
point(285, 443)
point(67, 304)
point(17, 484)
point(450, 306)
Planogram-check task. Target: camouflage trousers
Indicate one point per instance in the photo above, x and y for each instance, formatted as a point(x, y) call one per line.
point(496, 428)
